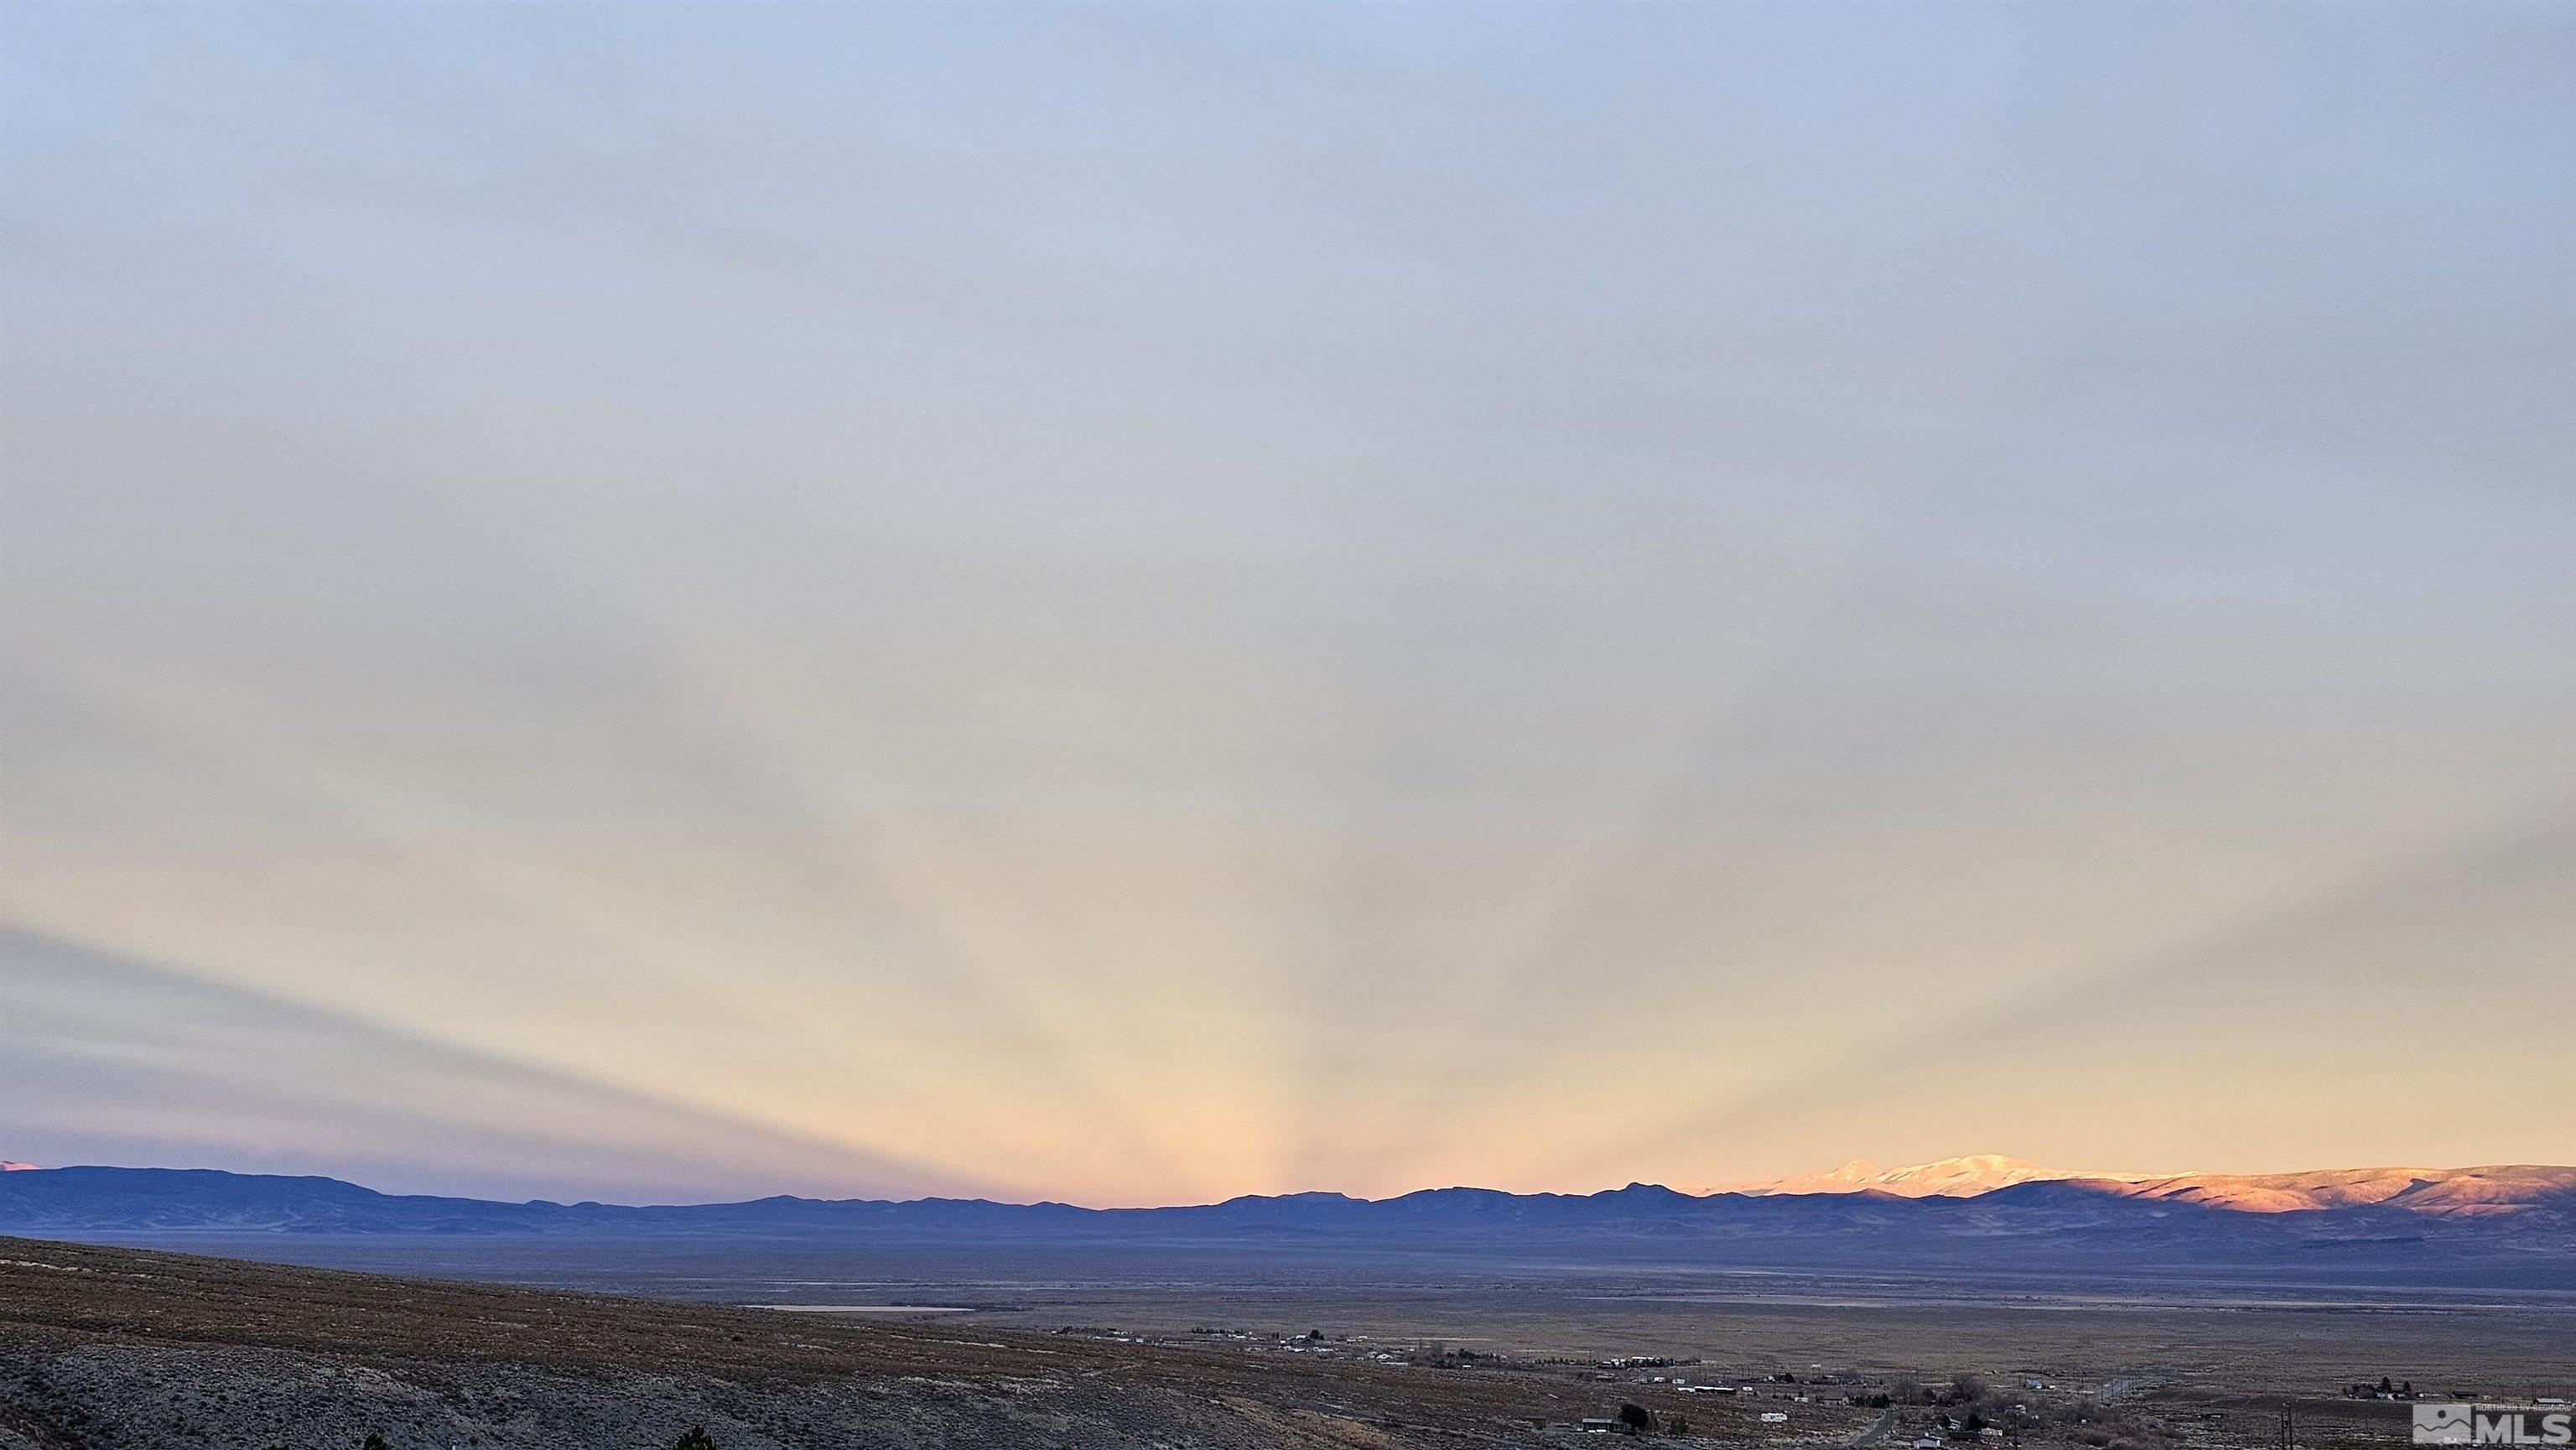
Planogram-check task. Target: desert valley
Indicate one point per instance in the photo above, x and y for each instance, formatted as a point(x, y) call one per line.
point(203, 1308)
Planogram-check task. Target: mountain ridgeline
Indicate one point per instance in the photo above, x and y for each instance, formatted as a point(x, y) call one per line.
point(2523, 1215)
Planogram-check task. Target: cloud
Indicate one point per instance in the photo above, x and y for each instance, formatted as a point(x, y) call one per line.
point(1163, 602)
point(108, 1057)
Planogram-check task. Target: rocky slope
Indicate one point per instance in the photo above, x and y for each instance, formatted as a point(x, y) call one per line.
point(111, 1349)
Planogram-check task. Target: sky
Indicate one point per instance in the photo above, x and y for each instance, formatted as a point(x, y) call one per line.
point(1137, 603)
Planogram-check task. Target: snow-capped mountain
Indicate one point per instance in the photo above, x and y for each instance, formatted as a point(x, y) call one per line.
point(1947, 1178)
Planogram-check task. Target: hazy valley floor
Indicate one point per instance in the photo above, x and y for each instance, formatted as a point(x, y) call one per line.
point(105, 1348)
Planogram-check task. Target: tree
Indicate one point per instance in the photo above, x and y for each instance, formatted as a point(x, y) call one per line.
point(696, 1438)
point(374, 1441)
point(1637, 1418)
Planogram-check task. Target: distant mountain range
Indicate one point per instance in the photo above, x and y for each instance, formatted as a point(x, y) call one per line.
point(2444, 1192)
point(1948, 1178)
point(2524, 1216)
